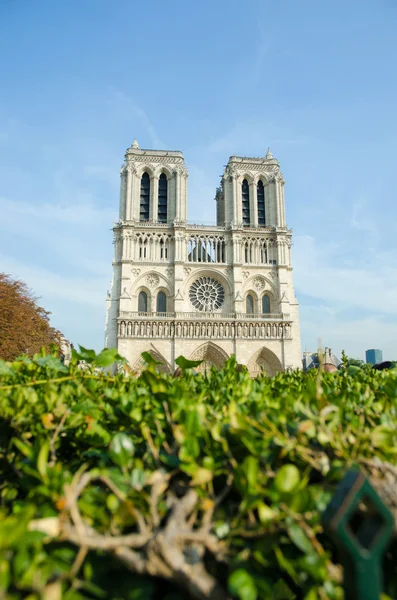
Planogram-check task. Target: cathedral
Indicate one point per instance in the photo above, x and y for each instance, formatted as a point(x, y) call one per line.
point(204, 292)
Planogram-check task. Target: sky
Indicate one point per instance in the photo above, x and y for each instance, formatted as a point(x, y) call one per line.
point(316, 81)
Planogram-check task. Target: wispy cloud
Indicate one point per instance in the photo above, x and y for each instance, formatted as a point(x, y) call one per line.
point(360, 218)
point(355, 304)
point(253, 136)
point(131, 108)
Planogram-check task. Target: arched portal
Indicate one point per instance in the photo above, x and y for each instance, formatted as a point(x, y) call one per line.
point(264, 361)
point(140, 363)
point(211, 355)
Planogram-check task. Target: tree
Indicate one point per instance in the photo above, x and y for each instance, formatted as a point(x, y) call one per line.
point(24, 326)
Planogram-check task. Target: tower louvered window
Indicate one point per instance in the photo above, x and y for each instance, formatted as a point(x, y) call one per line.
point(260, 190)
point(145, 198)
point(163, 192)
point(245, 193)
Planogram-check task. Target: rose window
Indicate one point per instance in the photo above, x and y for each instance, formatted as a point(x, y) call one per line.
point(207, 294)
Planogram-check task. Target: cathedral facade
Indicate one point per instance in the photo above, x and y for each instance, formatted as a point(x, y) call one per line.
point(204, 292)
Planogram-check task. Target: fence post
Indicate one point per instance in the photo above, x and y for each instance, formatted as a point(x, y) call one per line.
point(361, 526)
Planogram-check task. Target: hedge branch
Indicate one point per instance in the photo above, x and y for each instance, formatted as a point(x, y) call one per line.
point(173, 551)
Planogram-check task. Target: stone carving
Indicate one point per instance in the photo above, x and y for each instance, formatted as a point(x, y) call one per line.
point(259, 283)
point(246, 274)
point(152, 280)
point(135, 272)
point(211, 355)
point(186, 270)
point(206, 294)
point(169, 272)
point(185, 329)
point(132, 169)
point(163, 160)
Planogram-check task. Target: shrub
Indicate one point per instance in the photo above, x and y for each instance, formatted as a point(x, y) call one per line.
point(203, 485)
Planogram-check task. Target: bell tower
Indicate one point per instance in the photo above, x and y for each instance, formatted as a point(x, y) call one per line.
point(251, 193)
point(153, 186)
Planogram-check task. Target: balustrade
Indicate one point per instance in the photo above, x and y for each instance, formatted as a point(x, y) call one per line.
point(207, 316)
point(203, 330)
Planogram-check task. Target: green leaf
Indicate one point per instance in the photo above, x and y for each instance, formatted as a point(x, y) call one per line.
point(184, 363)
point(87, 355)
point(23, 447)
point(202, 476)
point(108, 357)
point(300, 539)
point(121, 449)
point(148, 358)
point(266, 513)
point(52, 363)
point(42, 459)
point(5, 370)
point(287, 479)
point(242, 585)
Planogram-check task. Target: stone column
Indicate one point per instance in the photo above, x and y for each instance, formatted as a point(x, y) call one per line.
point(177, 195)
point(128, 199)
point(282, 200)
point(278, 202)
point(253, 205)
point(237, 217)
point(154, 198)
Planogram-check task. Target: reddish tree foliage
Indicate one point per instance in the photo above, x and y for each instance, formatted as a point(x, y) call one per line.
point(24, 326)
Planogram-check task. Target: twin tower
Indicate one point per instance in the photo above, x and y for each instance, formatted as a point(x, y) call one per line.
point(204, 292)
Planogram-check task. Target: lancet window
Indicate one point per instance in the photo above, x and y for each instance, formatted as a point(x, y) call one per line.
point(163, 198)
point(260, 191)
point(142, 302)
point(265, 304)
point(161, 303)
point(245, 194)
point(249, 304)
point(145, 198)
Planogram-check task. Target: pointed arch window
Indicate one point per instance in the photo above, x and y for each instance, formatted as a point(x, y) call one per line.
point(145, 198)
point(142, 302)
point(163, 198)
point(260, 191)
point(161, 303)
point(249, 304)
point(245, 194)
point(265, 304)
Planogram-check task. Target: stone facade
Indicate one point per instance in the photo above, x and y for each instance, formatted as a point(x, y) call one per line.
point(205, 292)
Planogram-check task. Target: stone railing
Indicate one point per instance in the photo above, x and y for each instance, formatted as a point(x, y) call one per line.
point(207, 316)
point(188, 329)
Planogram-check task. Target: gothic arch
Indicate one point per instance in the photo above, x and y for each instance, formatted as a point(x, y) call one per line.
point(163, 169)
point(211, 355)
point(264, 361)
point(264, 177)
point(145, 168)
point(267, 288)
point(141, 283)
point(248, 176)
point(139, 364)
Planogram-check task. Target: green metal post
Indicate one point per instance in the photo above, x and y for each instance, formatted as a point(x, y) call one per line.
point(361, 525)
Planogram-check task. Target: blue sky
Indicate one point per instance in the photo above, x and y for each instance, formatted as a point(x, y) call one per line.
point(314, 80)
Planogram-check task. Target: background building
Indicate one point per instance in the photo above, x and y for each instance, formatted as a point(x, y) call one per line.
point(311, 360)
point(205, 292)
point(373, 356)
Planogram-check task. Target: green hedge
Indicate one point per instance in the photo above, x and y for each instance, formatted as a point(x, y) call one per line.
point(202, 486)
